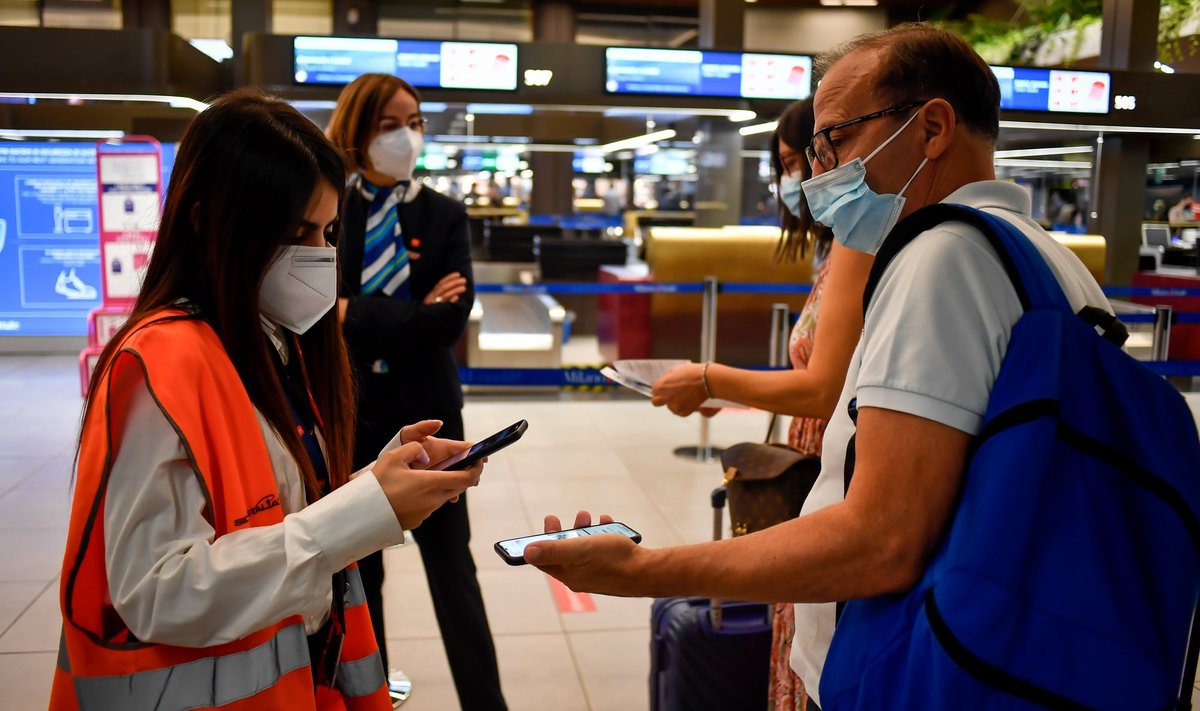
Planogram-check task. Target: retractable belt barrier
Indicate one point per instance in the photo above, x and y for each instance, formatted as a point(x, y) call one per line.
point(592, 379)
point(640, 288)
point(652, 287)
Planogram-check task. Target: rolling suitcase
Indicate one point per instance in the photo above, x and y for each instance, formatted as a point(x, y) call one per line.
point(705, 654)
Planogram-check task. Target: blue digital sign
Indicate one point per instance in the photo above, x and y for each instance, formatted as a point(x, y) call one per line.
point(684, 72)
point(422, 63)
point(1057, 90)
point(50, 237)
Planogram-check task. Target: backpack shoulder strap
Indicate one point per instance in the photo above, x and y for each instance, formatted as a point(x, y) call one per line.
point(1032, 279)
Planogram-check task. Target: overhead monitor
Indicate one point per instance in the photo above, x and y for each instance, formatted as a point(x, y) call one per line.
point(590, 162)
point(664, 162)
point(686, 72)
point(49, 236)
point(1056, 90)
point(423, 63)
point(1156, 235)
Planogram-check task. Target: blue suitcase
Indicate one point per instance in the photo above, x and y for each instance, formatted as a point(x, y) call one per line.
point(709, 655)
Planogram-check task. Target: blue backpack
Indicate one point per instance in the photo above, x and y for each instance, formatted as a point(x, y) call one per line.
point(1070, 573)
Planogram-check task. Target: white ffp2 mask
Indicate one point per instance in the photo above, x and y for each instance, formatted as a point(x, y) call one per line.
point(299, 287)
point(394, 153)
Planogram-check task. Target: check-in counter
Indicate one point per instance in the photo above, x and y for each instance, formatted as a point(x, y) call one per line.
point(689, 254)
point(638, 221)
point(1092, 250)
point(513, 330)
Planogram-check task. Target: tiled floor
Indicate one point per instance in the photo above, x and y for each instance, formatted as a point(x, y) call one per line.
point(584, 451)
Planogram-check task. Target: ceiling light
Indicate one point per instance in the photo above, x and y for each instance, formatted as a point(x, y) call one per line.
point(638, 141)
point(1025, 163)
point(218, 49)
point(1048, 151)
point(742, 116)
point(21, 133)
point(849, 3)
point(1048, 126)
point(500, 109)
point(758, 128)
point(1164, 68)
point(179, 102)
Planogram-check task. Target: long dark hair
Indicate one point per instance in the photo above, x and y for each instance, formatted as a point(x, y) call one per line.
point(246, 171)
point(795, 128)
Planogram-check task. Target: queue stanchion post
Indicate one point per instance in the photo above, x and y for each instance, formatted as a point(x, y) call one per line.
point(1161, 344)
point(705, 452)
point(778, 357)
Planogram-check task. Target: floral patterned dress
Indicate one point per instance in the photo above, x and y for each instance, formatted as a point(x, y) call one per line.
point(804, 435)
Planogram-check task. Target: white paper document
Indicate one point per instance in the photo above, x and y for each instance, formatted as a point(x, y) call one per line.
point(640, 376)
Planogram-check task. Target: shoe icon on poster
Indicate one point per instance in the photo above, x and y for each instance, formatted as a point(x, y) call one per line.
point(72, 287)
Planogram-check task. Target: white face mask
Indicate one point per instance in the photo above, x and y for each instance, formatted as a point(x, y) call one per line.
point(299, 287)
point(394, 153)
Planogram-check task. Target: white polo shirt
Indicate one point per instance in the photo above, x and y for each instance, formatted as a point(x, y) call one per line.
point(932, 344)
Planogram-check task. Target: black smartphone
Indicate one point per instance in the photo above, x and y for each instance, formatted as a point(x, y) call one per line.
point(485, 448)
point(513, 550)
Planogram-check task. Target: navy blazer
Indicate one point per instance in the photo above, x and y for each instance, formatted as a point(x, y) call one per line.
point(401, 351)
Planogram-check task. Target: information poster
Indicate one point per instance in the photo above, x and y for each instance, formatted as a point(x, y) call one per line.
point(50, 266)
point(49, 224)
point(129, 190)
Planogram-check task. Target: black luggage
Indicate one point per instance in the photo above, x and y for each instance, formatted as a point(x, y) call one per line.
point(707, 654)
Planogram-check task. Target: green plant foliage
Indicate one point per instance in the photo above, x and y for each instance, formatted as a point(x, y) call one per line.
point(1038, 21)
point(1175, 13)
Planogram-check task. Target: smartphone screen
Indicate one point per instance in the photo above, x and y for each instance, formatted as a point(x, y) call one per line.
point(513, 550)
point(481, 449)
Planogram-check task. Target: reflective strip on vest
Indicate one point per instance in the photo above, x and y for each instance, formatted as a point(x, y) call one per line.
point(64, 660)
point(361, 677)
point(214, 681)
point(355, 595)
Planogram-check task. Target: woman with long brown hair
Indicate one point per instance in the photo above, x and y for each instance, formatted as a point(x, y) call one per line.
point(215, 522)
point(832, 317)
point(406, 298)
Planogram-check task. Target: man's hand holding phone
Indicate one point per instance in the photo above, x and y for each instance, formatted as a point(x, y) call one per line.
point(606, 564)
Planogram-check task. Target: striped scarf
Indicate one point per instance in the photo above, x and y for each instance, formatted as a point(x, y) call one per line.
point(385, 260)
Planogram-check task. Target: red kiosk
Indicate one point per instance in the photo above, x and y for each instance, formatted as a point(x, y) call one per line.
point(129, 182)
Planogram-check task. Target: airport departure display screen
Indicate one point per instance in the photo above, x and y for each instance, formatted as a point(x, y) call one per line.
point(686, 72)
point(424, 64)
point(50, 236)
point(1057, 90)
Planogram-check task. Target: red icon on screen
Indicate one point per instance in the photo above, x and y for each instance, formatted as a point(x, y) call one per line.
point(796, 76)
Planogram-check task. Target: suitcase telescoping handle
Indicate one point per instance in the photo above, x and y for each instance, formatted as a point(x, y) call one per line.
point(718, 502)
point(1187, 683)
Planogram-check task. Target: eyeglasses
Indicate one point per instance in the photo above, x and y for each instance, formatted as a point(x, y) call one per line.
point(821, 149)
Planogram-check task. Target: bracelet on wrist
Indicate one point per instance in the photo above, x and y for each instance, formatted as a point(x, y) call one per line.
point(704, 379)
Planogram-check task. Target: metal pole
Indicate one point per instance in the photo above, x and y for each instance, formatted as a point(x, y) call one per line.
point(1162, 333)
point(778, 356)
point(704, 452)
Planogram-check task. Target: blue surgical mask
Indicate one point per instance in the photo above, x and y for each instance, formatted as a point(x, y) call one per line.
point(790, 192)
point(842, 201)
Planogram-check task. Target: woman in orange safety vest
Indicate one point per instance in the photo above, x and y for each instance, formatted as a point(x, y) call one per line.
point(215, 522)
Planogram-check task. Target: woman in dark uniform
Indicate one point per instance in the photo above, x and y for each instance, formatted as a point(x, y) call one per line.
point(407, 293)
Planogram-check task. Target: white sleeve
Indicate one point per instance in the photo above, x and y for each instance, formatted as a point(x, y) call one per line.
point(937, 330)
point(172, 583)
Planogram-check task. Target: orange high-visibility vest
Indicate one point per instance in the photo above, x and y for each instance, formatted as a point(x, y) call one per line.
point(101, 665)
